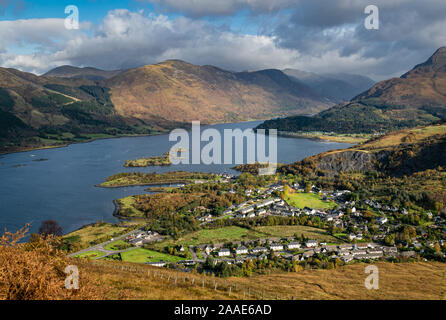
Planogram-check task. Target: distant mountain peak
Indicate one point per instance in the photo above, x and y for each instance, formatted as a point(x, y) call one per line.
point(438, 59)
point(435, 62)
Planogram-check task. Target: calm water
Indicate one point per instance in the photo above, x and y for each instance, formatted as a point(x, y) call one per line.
point(62, 187)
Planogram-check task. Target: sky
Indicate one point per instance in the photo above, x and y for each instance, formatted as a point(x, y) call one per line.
point(322, 36)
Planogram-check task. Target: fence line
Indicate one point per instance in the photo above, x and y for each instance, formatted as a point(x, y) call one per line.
point(232, 290)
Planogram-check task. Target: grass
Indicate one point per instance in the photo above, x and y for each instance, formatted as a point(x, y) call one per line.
point(220, 235)
point(117, 245)
point(311, 200)
point(88, 235)
point(141, 255)
point(397, 281)
point(90, 254)
point(164, 160)
point(127, 207)
point(289, 231)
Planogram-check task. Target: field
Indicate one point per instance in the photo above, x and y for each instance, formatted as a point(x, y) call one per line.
point(117, 245)
point(92, 234)
point(90, 254)
point(141, 255)
point(399, 281)
point(408, 136)
point(126, 207)
point(289, 231)
point(219, 235)
point(310, 200)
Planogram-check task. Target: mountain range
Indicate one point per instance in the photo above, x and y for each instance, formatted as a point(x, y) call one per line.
point(69, 104)
point(416, 98)
point(337, 86)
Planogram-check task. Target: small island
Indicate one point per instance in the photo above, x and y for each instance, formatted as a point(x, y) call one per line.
point(163, 160)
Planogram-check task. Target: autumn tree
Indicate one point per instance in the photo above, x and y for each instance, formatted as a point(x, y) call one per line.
point(50, 227)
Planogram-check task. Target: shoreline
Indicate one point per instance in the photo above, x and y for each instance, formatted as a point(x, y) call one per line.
point(64, 145)
point(123, 136)
point(143, 184)
point(114, 137)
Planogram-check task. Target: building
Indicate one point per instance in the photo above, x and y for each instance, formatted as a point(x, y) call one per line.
point(265, 203)
point(157, 264)
point(224, 252)
point(311, 243)
point(241, 250)
point(361, 246)
point(293, 245)
point(247, 210)
point(276, 247)
point(259, 249)
point(381, 220)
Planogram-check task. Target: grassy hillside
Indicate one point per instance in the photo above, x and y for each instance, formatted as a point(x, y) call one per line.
point(398, 153)
point(36, 271)
point(176, 90)
point(70, 104)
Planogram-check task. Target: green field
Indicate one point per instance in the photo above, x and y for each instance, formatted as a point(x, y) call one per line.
point(117, 245)
point(289, 231)
point(141, 255)
point(219, 235)
point(90, 254)
point(311, 200)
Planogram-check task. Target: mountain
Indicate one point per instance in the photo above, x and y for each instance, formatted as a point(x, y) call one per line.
point(399, 153)
point(416, 98)
point(47, 111)
point(81, 73)
point(70, 104)
point(337, 86)
point(176, 90)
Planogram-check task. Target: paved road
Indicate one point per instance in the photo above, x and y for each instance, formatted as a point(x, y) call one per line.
point(100, 246)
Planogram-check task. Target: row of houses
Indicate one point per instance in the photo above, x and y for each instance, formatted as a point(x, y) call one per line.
point(224, 252)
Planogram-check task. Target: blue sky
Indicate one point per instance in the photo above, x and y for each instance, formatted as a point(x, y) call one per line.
point(312, 35)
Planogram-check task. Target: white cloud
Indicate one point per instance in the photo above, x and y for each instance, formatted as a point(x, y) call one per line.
point(127, 39)
point(333, 40)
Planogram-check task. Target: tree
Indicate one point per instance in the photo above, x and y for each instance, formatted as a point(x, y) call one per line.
point(50, 227)
point(308, 187)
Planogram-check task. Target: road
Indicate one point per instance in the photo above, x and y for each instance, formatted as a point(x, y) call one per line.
point(100, 246)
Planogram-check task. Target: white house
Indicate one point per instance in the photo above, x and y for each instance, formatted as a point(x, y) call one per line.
point(259, 249)
point(293, 245)
point(157, 264)
point(247, 210)
point(311, 243)
point(224, 252)
point(241, 250)
point(276, 247)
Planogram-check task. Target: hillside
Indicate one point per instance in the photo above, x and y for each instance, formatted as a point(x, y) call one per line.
point(399, 153)
point(39, 111)
point(35, 271)
point(416, 98)
point(179, 91)
point(340, 87)
point(70, 104)
point(81, 73)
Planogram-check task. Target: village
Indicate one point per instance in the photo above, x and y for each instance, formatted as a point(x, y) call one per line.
point(353, 244)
